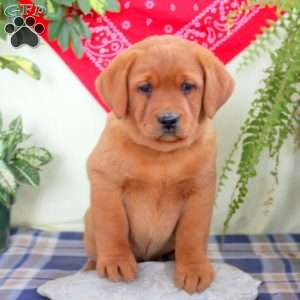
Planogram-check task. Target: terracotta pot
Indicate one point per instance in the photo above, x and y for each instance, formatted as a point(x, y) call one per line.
point(4, 227)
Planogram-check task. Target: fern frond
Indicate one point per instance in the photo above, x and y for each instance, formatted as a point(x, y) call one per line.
point(274, 30)
point(271, 119)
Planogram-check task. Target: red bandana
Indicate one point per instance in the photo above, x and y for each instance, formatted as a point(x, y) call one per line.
point(202, 21)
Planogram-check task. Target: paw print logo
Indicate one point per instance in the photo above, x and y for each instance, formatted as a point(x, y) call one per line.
point(24, 31)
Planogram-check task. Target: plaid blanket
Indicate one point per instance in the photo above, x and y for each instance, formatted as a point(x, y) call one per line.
point(36, 256)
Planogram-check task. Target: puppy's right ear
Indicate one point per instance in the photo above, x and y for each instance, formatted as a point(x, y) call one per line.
point(112, 83)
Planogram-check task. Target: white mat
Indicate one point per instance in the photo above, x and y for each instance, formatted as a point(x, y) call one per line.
point(155, 282)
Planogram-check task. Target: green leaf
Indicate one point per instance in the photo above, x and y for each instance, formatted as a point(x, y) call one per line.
point(84, 6)
point(64, 35)
point(35, 156)
point(50, 7)
point(5, 199)
point(54, 12)
point(64, 2)
point(2, 149)
point(7, 180)
point(76, 43)
point(16, 63)
point(9, 142)
point(25, 173)
point(4, 64)
point(81, 27)
point(112, 5)
point(98, 6)
point(1, 121)
point(16, 124)
point(3, 144)
point(12, 143)
point(54, 28)
point(2, 31)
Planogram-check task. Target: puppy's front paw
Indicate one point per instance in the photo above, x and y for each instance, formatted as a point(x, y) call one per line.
point(117, 268)
point(194, 277)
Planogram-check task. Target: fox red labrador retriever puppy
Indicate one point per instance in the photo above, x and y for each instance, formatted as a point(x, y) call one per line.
point(153, 172)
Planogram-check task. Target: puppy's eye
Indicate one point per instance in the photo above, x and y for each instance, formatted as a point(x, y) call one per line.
point(187, 87)
point(146, 88)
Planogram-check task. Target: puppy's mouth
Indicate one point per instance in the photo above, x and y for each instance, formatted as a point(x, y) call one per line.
point(170, 135)
point(165, 134)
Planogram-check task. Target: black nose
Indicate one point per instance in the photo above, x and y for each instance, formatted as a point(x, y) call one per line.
point(168, 119)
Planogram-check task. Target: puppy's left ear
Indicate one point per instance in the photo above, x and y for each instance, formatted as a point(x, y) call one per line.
point(218, 83)
point(112, 83)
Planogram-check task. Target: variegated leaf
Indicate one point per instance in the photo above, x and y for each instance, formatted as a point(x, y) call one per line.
point(13, 140)
point(25, 173)
point(2, 31)
point(17, 63)
point(7, 180)
point(50, 6)
point(2, 148)
point(98, 6)
point(16, 124)
point(1, 121)
point(5, 199)
point(35, 156)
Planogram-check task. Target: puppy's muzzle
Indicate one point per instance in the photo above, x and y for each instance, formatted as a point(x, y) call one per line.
point(169, 122)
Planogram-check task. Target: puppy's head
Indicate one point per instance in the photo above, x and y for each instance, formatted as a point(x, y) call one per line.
point(163, 88)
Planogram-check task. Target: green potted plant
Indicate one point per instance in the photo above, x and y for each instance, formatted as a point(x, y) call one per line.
point(18, 165)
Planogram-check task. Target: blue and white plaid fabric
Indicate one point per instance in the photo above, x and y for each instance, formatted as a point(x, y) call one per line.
point(36, 256)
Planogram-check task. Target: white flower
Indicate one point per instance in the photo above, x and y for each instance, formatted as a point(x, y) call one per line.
point(168, 29)
point(126, 25)
point(149, 4)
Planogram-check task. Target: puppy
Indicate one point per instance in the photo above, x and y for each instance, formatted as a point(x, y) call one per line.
point(153, 172)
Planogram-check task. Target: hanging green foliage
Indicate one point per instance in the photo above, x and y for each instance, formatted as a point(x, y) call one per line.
point(273, 116)
point(274, 31)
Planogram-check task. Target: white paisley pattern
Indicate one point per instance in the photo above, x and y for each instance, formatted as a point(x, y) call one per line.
point(208, 28)
point(105, 43)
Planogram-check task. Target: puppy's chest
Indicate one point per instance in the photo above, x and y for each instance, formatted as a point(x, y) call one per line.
point(153, 212)
point(154, 194)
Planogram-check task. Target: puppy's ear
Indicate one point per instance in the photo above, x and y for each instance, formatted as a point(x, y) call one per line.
point(218, 83)
point(112, 83)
